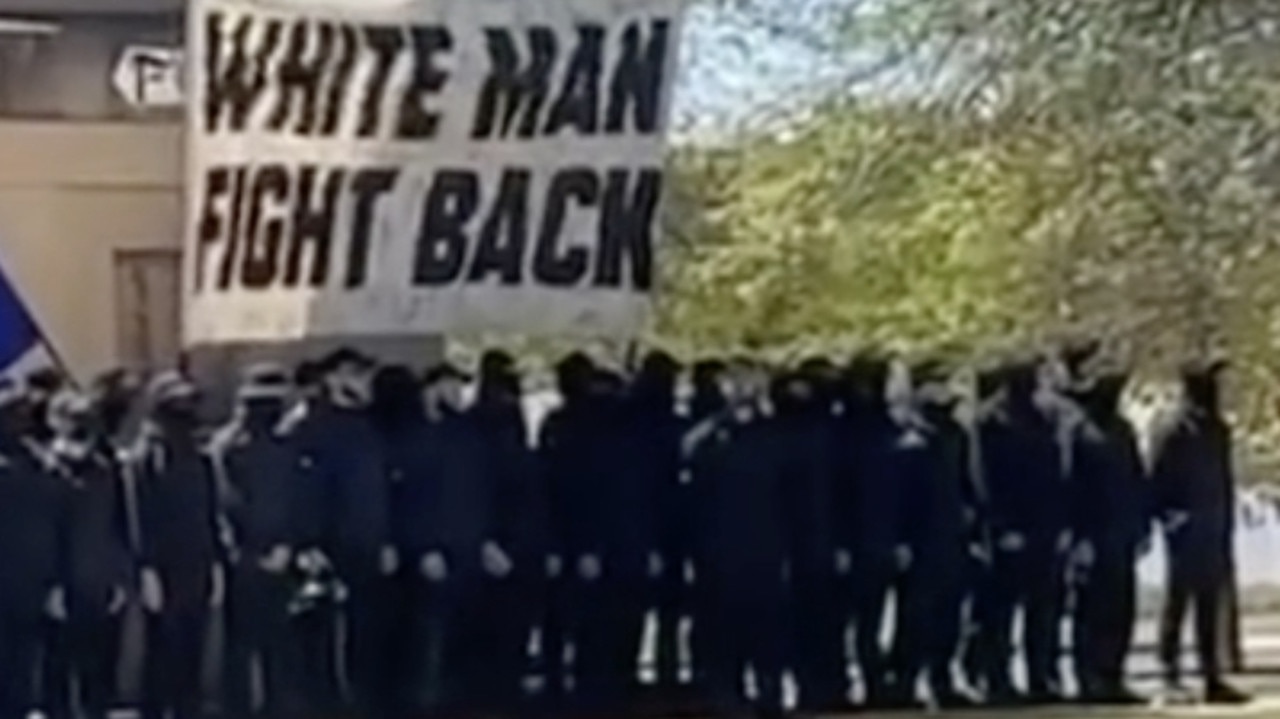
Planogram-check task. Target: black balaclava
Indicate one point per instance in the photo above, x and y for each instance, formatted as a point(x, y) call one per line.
point(499, 380)
point(573, 377)
point(1202, 389)
point(824, 378)
point(932, 372)
point(1022, 381)
point(654, 388)
point(866, 379)
point(792, 394)
point(395, 399)
point(1102, 400)
point(707, 398)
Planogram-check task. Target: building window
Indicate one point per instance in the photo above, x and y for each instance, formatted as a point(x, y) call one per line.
point(148, 285)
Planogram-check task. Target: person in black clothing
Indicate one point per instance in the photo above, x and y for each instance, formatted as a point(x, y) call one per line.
point(706, 400)
point(262, 501)
point(805, 405)
point(657, 428)
point(1194, 493)
point(1028, 501)
point(177, 505)
point(515, 601)
point(931, 466)
point(95, 566)
point(560, 456)
point(1112, 518)
point(608, 522)
point(878, 503)
point(742, 482)
point(345, 476)
point(30, 543)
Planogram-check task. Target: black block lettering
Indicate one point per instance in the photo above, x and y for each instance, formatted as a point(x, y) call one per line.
point(300, 76)
point(578, 105)
point(386, 42)
point(348, 43)
point(416, 122)
point(637, 80)
point(511, 89)
point(227, 269)
point(627, 215)
point(210, 229)
point(500, 247)
point(261, 259)
point(313, 226)
point(442, 239)
point(236, 79)
point(552, 265)
point(369, 186)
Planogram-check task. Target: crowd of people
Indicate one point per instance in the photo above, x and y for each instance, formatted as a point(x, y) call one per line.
point(383, 543)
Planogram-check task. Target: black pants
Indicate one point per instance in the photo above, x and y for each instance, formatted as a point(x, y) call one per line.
point(372, 657)
point(674, 605)
point(821, 609)
point(1030, 580)
point(20, 636)
point(175, 646)
point(320, 685)
point(608, 618)
point(745, 623)
point(1197, 570)
point(927, 634)
point(877, 578)
point(260, 641)
point(1105, 613)
point(81, 657)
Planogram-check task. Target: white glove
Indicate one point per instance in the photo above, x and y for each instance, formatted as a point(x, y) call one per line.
point(589, 567)
point(152, 590)
point(276, 561)
point(1173, 521)
point(433, 567)
point(844, 562)
point(902, 557)
point(217, 586)
point(118, 601)
point(389, 560)
point(655, 565)
point(555, 566)
point(55, 605)
point(980, 551)
point(495, 561)
point(1084, 555)
point(1011, 542)
point(1064, 541)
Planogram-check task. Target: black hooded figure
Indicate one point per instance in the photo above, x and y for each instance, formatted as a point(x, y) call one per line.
point(516, 601)
point(653, 472)
point(1112, 517)
point(561, 453)
point(609, 525)
point(96, 567)
point(742, 480)
point(346, 479)
point(1195, 497)
point(1028, 502)
point(811, 435)
point(180, 551)
point(264, 508)
point(29, 558)
point(867, 487)
point(931, 465)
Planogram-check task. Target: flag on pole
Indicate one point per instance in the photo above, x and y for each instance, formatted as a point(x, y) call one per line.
point(24, 349)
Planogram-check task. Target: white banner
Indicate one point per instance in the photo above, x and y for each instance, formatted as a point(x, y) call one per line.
point(424, 166)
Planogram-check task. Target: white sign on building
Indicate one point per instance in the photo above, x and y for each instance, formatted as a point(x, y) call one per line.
point(149, 77)
point(430, 166)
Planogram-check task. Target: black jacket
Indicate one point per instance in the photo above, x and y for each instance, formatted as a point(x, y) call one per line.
point(30, 535)
point(96, 555)
point(266, 506)
point(177, 500)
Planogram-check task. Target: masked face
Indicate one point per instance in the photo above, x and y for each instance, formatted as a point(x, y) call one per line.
point(178, 411)
point(264, 412)
point(350, 387)
point(741, 385)
point(1203, 393)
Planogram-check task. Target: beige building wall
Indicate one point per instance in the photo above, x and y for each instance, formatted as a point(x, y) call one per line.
point(75, 196)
